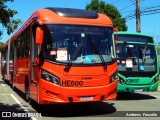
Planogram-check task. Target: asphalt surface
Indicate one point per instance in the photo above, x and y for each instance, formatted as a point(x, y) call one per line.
point(144, 105)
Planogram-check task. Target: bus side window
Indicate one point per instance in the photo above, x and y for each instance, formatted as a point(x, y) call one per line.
point(11, 51)
point(22, 44)
point(27, 43)
point(18, 47)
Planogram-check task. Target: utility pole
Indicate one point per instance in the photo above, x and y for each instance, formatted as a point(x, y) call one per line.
point(138, 20)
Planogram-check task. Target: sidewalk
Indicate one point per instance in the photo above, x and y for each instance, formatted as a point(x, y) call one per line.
point(1, 81)
point(159, 84)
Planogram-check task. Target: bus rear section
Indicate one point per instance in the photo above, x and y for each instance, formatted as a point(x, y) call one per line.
point(137, 63)
point(71, 57)
point(6, 63)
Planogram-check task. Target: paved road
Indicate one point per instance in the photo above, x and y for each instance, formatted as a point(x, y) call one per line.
point(132, 104)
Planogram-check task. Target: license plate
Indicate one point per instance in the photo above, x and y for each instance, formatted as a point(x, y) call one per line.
point(138, 90)
point(86, 98)
point(132, 81)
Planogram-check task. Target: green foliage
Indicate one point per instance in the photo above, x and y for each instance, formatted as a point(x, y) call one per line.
point(1, 44)
point(6, 15)
point(109, 10)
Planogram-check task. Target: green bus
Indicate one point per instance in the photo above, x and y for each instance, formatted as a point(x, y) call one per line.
point(137, 60)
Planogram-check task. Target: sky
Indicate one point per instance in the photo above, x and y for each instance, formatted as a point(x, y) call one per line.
point(150, 24)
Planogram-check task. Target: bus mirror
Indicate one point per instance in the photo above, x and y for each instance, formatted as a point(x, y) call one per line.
point(115, 36)
point(115, 42)
point(39, 35)
point(115, 29)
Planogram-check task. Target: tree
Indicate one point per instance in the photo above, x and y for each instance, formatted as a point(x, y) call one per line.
point(6, 15)
point(111, 11)
point(1, 44)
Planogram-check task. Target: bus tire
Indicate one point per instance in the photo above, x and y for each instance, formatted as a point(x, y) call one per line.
point(12, 83)
point(27, 91)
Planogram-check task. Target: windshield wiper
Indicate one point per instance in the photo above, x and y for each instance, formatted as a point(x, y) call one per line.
point(144, 52)
point(97, 51)
point(69, 64)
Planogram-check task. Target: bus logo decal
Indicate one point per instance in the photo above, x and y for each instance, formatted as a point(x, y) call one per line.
point(69, 83)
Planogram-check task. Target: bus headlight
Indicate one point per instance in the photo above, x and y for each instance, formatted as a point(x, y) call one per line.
point(121, 81)
point(113, 77)
point(155, 80)
point(50, 78)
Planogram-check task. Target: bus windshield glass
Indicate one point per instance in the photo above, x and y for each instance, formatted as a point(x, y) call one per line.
point(78, 43)
point(136, 57)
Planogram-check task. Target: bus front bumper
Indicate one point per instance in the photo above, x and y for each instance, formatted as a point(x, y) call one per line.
point(52, 94)
point(137, 88)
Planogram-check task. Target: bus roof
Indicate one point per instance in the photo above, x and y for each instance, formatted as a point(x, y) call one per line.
point(133, 33)
point(134, 37)
point(76, 13)
point(72, 16)
point(66, 16)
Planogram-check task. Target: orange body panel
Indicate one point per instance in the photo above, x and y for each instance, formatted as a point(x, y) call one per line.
point(95, 81)
point(98, 85)
point(22, 70)
point(55, 94)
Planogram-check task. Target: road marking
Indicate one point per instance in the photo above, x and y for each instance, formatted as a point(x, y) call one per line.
point(18, 102)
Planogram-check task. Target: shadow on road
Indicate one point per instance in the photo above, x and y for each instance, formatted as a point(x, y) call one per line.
point(1, 81)
point(9, 112)
point(76, 109)
point(133, 96)
point(72, 109)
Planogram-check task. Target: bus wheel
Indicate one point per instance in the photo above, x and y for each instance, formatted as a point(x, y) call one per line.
point(12, 84)
point(27, 92)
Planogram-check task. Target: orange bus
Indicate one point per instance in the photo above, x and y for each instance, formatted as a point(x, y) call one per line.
point(63, 55)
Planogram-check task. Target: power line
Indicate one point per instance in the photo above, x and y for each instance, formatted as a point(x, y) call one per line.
point(144, 11)
point(153, 11)
point(120, 3)
point(147, 8)
point(134, 3)
point(115, 1)
point(128, 4)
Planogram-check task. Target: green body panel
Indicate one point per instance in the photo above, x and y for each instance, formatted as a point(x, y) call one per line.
point(140, 88)
point(133, 84)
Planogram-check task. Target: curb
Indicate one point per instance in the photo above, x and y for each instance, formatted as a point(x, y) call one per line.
point(158, 88)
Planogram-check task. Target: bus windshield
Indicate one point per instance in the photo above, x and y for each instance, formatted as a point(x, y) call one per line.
point(136, 57)
point(78, 43)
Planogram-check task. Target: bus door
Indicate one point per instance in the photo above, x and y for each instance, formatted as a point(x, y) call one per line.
point(14, 65)
point(7, 61)
point(34, 65)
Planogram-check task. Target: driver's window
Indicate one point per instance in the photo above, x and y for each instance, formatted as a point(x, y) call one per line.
point(35, 47)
